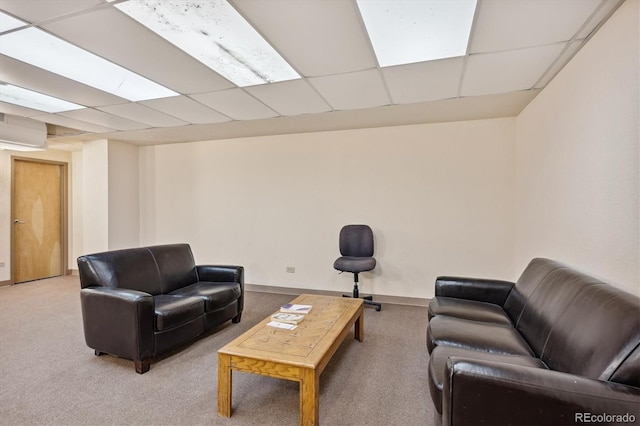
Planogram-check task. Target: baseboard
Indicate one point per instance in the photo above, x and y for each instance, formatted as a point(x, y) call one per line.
point(5, 283)
point(394, 300)
point(73, 272)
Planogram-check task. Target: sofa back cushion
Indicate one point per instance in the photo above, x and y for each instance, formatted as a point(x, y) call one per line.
point(133, 269)
point(176, 265)
point(597, 336)
point(547, 303)
point(531, 277)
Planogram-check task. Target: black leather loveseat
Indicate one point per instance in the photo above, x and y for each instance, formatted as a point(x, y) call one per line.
point(138, 303)
point(557, 347)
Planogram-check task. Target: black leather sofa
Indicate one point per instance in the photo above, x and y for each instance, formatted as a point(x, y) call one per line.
point(556, 348)
point(141, 302)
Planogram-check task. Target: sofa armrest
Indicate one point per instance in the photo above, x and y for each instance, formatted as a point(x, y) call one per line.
point(119, 321)
point(485, 392)
point(478, 289)
point(224, 273)
point(221, 273)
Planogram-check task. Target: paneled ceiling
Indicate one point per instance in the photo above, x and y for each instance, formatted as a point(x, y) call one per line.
point(515, 48)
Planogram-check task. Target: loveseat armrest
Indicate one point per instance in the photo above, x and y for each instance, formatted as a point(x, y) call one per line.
point(478, 289)
point(118, 321)
point(486, 392)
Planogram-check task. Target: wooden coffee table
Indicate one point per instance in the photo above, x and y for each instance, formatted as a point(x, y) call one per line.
point(300, 354)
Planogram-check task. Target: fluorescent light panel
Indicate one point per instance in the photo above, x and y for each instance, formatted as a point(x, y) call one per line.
point(34, 100)
point(43, 50)
point(214, 33)
point(408, 31)
point(8, 22)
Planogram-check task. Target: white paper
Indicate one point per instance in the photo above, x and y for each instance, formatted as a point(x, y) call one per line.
point(286, 326)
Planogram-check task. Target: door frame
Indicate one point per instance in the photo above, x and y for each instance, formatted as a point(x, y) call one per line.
point(64, 269)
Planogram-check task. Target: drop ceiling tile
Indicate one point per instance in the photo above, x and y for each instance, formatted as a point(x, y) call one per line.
point(290, 97)
point(138, 49)
point(504, 25)
point(29, 77)
point(362, 89)
point(104, 119)
point(565, 57)
point(424, 81)
point(143, 114)
point(507, 71)
point(36, 11)
point(317, 37)
point(8, 108)
point(607, 7)
point(236, 104)
point(73, 123)
point(186, 109)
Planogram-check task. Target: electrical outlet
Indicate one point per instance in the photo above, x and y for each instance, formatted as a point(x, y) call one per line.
point(291, 269)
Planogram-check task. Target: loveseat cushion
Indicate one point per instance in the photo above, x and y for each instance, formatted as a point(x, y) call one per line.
point(460, 333)
point(441, 354)
point(172, 311)
point(468, 309)
point(214, 295)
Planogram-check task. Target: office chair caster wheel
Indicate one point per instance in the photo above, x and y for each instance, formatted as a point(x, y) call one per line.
point(378, 308)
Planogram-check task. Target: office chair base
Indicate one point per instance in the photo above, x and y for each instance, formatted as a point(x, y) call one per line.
point(368, 301)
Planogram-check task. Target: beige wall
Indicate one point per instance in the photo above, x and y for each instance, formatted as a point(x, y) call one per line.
point(577, 159)
point(439, 198)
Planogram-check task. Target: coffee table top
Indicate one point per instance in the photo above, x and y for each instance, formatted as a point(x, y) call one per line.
point(306, 345)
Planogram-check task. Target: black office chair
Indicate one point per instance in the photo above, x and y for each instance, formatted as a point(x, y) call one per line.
point(356, 248)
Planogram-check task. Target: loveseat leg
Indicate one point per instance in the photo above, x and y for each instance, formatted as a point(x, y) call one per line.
point(142, 366)
point(237, 318)
point(98, 353)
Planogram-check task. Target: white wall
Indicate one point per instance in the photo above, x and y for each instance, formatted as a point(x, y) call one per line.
point(95, 190)
point(439, 198)
point(124, 203)
point(577, 160)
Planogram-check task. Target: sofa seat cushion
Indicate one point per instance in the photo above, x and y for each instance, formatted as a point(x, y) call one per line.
point(495, 338)
point(214, 295)
point(468, 309)
point(441, 354)
point(172, 311)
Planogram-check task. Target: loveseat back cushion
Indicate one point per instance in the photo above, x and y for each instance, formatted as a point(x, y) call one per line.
point(176, 265)
point(547, 303)
point(531, 277)
point(596, 336)
point(133, 269)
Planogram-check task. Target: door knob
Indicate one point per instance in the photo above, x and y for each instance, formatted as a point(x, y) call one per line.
point(17, 221)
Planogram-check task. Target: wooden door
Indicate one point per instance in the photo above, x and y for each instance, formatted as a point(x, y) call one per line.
point(37, 209)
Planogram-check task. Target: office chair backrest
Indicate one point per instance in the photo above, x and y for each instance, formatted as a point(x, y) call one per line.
point(356, 240)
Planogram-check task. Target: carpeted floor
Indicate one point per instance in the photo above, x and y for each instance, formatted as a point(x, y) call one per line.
point(48, 376)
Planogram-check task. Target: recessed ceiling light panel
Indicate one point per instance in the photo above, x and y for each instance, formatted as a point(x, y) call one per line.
point(34, 100)
point(8, 22)
point(213, 32)
point(408, 31)
point(43, 50)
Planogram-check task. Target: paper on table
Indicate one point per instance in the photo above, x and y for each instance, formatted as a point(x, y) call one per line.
point(282, 325)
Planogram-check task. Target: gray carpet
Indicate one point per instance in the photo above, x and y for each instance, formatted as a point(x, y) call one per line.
point(50, 377)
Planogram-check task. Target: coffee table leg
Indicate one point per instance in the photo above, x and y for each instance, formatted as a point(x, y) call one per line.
point(309, 397)
point(224, 385)
point(359, 327)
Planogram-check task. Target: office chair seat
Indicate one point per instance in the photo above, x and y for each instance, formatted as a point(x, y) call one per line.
point(354, 264)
